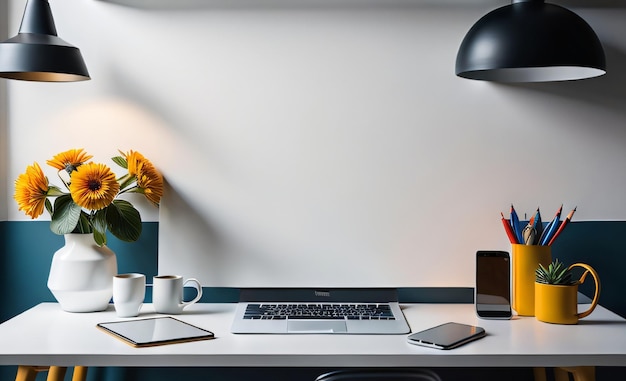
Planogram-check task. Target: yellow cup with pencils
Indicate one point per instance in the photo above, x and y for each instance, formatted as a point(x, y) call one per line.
point(531, 246)
point(525, 260)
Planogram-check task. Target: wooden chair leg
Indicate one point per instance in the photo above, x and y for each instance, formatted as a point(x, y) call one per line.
point(580, 373)
point(80, 373)
point(540, 374)
point(27, 373)
point(56, 373)
point(561, 374)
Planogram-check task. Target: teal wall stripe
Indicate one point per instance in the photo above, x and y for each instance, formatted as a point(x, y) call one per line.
point(217, 295)
point(436, 295)
point(28, 247)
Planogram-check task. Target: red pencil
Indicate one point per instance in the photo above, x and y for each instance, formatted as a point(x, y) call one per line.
point(565, 222)
point(508, 229)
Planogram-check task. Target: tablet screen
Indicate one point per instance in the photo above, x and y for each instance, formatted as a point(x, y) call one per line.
point(155, 331)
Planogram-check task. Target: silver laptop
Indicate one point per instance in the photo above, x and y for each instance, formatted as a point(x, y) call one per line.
point(333, 311)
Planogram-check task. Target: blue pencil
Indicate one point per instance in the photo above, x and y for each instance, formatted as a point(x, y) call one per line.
point(549, 231)
point(538, 225)
point(517, 229)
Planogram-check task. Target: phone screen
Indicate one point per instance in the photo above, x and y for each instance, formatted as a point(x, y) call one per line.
point(493, 296)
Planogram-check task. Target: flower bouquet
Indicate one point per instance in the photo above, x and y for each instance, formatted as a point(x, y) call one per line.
point(90, 202)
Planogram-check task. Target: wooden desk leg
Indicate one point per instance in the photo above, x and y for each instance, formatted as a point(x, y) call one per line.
point(56, 373)
point(80, 373)
point(540, 374)
point(580, 373)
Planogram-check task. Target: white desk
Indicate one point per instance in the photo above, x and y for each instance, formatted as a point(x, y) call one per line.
point(45, 335)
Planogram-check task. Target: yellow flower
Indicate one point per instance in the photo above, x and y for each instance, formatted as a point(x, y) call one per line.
point(135, 160)
point(31, 190)
point(93, 186)
point(149, 180)
point(69, 160)
point(91, 205)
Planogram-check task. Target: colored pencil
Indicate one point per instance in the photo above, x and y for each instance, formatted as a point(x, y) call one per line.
point(508, 229)
point(515, 225)
point(538, 225)
point(551, 228)
point(565, 222)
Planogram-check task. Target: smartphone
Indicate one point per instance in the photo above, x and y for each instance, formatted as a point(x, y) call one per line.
point(493, 285)
point(447, 336)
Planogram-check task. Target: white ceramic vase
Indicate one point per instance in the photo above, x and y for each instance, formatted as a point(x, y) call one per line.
point(81, 274)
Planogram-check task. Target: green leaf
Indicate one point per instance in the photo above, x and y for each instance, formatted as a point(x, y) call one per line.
point(119, 160)
point(99, 238)
point(84, 225)
point(556, 273)
point(66, 215)
point(55, 191)
point(99, 224)
point(49, 206)
point(123, 220)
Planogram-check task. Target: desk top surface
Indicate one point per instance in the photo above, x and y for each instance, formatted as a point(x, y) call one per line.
point(46, 335)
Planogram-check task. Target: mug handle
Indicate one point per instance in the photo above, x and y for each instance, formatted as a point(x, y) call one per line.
point(198, 287)
point(596, 279)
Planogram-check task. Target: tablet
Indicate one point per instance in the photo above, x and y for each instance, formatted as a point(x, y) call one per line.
point(447, 336)
point(155, 331)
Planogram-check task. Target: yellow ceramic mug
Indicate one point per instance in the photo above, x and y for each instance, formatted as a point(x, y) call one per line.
point(559, 303)
point(526, 259)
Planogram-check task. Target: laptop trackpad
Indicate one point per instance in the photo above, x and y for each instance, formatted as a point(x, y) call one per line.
point(307, 326)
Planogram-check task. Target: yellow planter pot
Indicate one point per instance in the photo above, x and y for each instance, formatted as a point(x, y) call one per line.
point(559, 303)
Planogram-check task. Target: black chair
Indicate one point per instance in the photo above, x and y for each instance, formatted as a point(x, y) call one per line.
point(380, 375)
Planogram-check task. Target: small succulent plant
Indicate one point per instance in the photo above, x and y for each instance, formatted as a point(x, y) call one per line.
point(556, 273)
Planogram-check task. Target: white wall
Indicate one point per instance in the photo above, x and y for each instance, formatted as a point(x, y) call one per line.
point(300, 139)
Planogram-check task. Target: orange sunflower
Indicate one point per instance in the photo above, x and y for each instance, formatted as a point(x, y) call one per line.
point(69, 160)
point(149, 180)
point(135, 160)
point(93, 186)
point(31, 190)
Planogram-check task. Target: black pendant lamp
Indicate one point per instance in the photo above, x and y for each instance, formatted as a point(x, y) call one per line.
point(37, 54)
point(530, 41)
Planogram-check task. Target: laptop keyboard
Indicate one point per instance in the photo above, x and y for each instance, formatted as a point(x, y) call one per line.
point(281, 311)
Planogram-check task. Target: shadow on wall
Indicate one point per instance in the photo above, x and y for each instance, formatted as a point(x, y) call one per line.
point(177, 211)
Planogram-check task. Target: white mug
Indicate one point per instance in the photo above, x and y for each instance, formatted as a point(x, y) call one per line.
point(129, 291)
point(167, 293)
